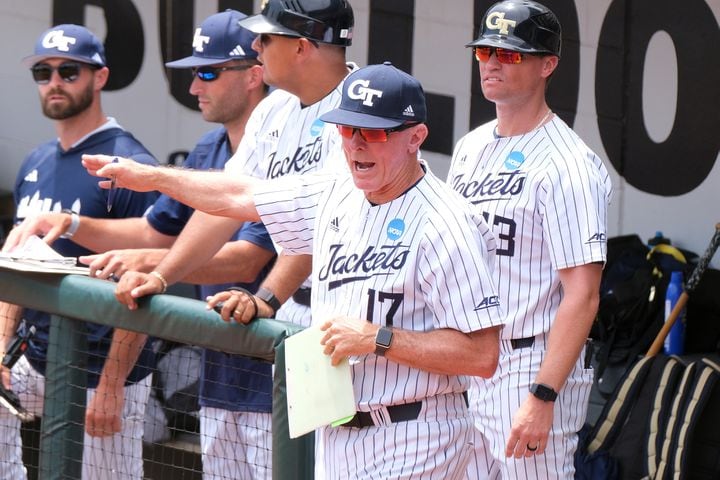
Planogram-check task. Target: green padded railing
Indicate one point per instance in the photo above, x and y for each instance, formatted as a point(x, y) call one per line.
point(71, 298)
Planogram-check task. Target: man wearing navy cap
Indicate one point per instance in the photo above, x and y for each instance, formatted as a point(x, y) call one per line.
point(69, 67)
point(235, 392)
point(302, 46)
point(401, 285)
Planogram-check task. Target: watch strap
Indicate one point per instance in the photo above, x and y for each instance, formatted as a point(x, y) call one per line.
point(543, 392)
point(74, 223)
point(268, 297)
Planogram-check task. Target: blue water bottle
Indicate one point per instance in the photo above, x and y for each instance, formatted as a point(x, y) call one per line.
point(675, 341)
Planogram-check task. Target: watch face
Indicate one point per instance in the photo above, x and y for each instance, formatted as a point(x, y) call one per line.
point(384, 337)
point(543, 392)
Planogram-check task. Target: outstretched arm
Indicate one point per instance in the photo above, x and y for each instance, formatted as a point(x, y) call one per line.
point(216, 193)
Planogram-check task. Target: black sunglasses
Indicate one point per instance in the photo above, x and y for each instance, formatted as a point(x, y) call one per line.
point(68, 71)
point(265, 39)
point(208, 74)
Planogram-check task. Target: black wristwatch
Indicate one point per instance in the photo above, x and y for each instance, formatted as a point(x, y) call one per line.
point(268, 297)
point(543, 392)
point(383, 339)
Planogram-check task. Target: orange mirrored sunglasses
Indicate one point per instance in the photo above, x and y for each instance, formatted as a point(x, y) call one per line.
point(372, 135)
point(504, 56)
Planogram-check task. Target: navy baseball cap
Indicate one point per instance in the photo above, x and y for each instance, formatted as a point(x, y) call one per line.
point(218, 39)
point(68, 41)
point(379, 96)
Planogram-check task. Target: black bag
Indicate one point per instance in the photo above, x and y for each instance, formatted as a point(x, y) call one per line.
point(661, 423)
point(631, 311)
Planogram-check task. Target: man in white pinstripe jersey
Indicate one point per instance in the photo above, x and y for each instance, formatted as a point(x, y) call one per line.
point(545, 193)
point(301, 45)
point(401, 283)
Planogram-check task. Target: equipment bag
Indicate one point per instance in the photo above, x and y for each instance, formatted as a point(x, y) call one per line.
point(631, 310)
point(661, 423)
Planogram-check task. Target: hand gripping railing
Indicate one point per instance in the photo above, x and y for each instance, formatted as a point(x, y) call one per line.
point(74, 298)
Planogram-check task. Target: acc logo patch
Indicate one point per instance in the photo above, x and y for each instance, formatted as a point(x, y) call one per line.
point(514, 160)
point(395, 229)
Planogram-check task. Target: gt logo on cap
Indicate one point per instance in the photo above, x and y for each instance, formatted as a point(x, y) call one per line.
point(57, 39)
point(359, 90)
point(200, 40)
point(496, 21)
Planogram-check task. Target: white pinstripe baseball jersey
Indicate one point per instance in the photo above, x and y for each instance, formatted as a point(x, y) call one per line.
point(417, 263)
point(545, 194)
point(283, 137)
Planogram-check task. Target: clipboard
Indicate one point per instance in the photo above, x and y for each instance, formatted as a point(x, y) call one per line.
point(318, 394)
point(37, 256)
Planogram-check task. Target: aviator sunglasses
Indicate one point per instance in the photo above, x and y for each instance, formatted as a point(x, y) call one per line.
point(504, 56)
point(68, 71)
point(209, 74)
point(372, 135)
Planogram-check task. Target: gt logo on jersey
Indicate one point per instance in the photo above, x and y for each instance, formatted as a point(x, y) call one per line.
point(200, 40)
point(514, 160)
point(57, 39)
point(488, 302)
point(395, 229)
point(496, 21)
point(358, 90)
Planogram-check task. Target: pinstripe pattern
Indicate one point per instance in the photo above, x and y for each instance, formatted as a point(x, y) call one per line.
point(427, 448)
point(545, 195)
point(547, 214)
point(417, 263)
point(283, 137)
point(235, 444)
point(118, 456)
point(435, 268)
point(494, 401)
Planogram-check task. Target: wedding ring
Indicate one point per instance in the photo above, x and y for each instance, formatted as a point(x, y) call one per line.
point(531, 449)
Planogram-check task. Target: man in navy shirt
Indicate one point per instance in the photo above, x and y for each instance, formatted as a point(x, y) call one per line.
point(69, 67)
point(235, 391)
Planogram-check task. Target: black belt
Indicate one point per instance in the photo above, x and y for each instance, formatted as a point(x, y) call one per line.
point(302, 296)
point(522, 342)
point(398, 413)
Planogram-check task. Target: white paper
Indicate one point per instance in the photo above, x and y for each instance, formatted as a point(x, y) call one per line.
point(318, 394)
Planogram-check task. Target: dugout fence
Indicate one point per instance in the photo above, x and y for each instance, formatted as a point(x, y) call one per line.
point(72, 299)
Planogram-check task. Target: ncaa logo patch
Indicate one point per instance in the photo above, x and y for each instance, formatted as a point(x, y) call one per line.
point(317, 127)
point(395, 229)
point(514, 160)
